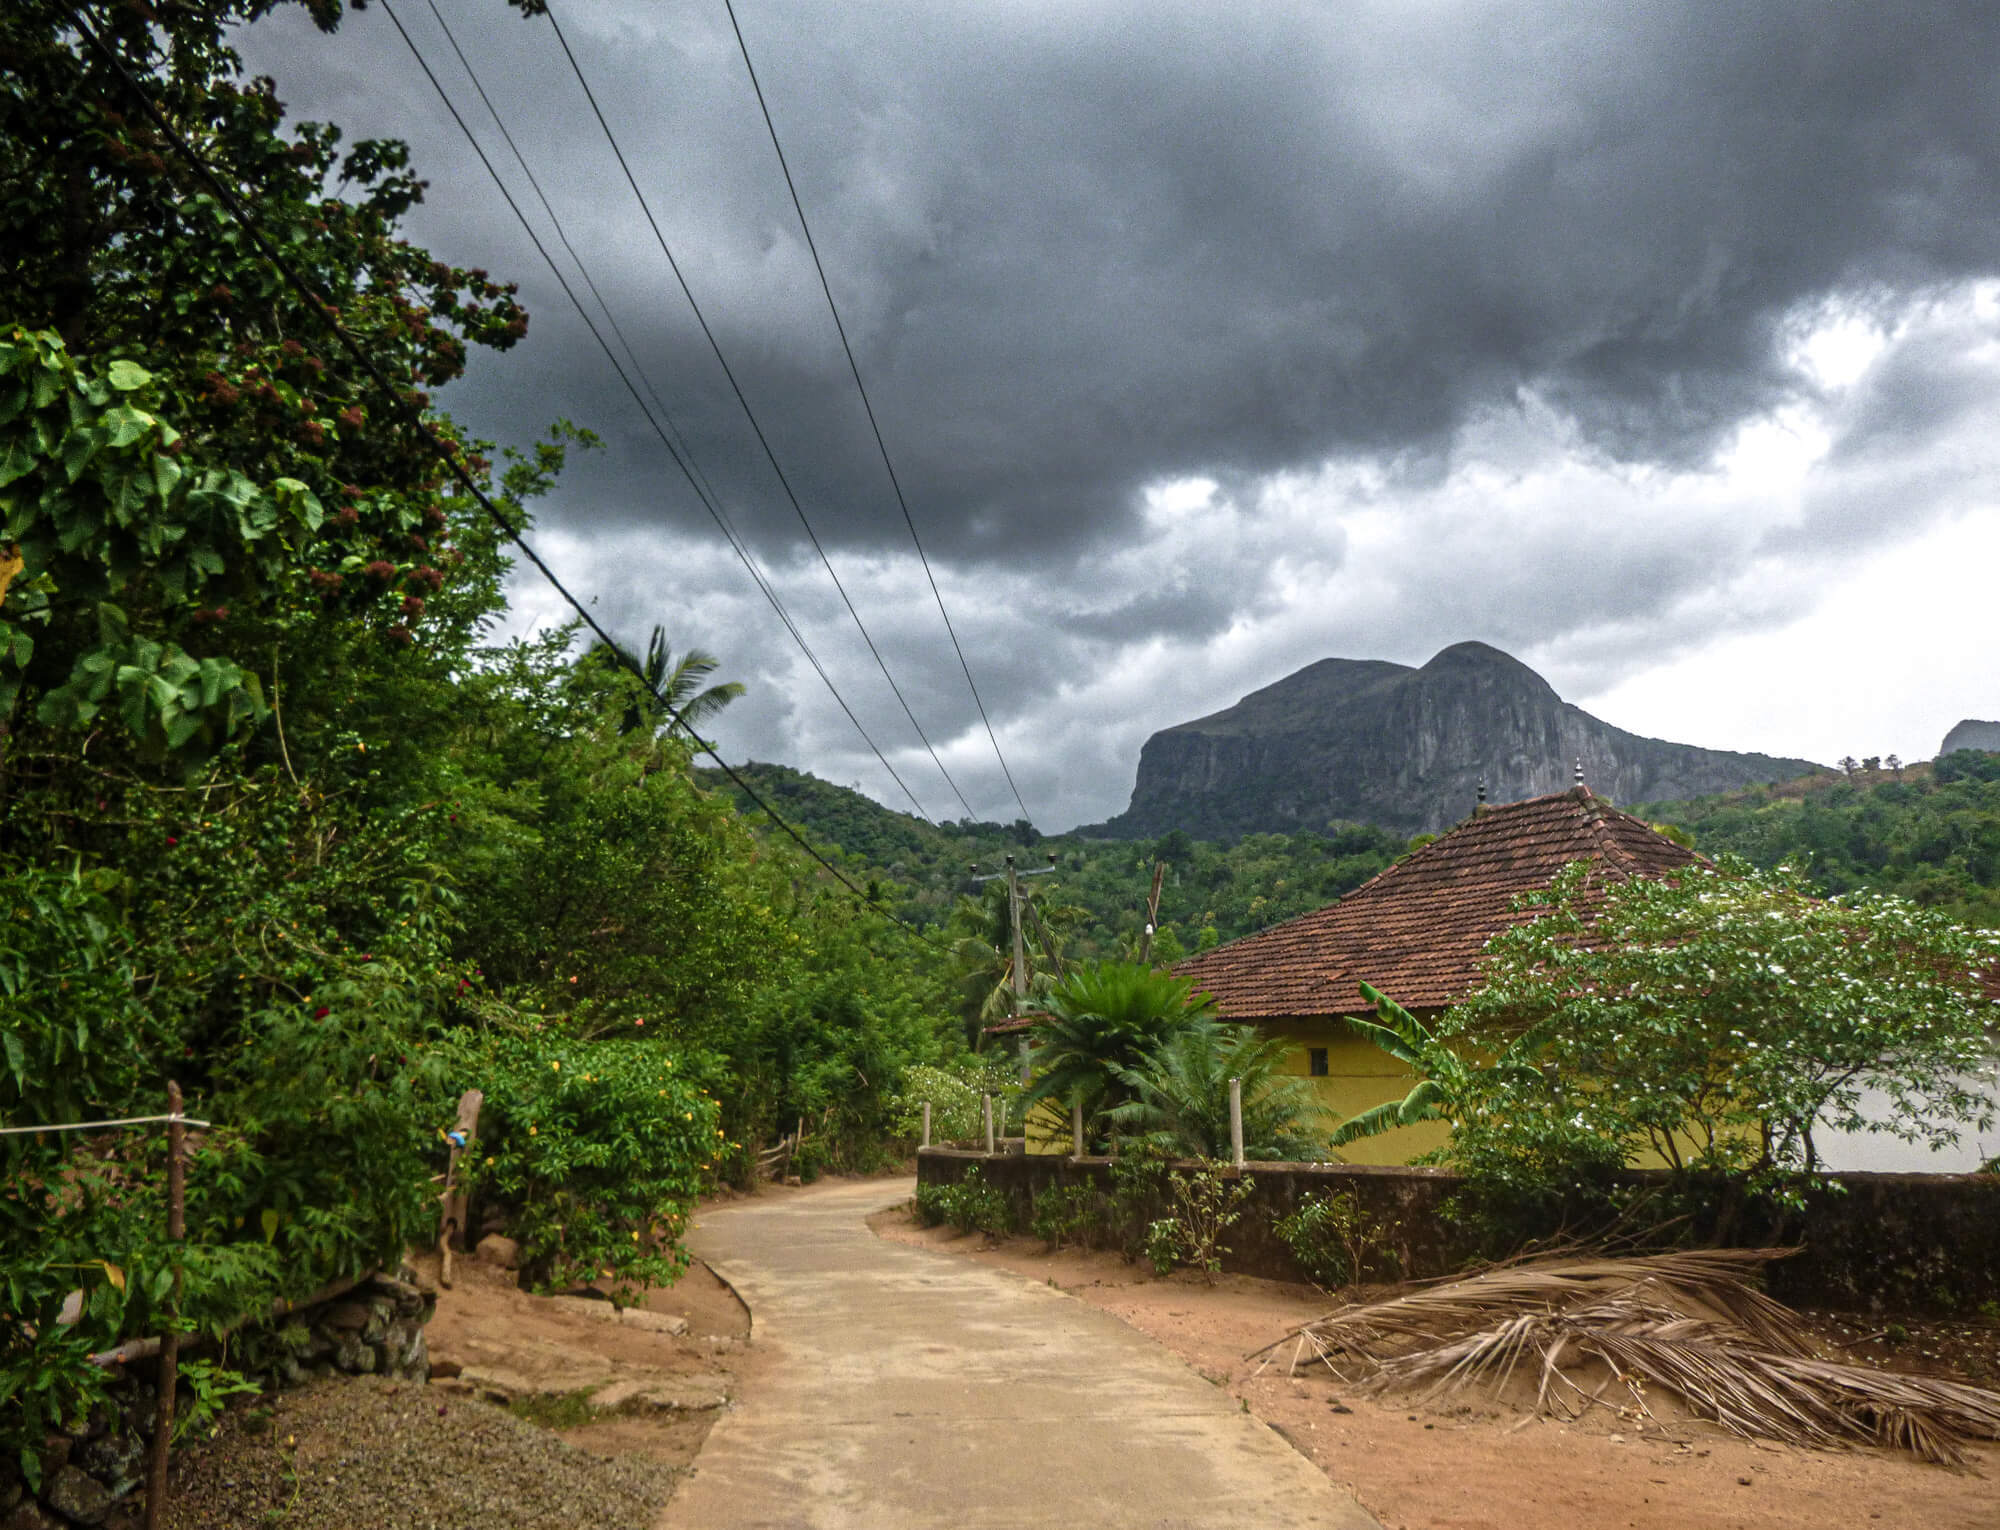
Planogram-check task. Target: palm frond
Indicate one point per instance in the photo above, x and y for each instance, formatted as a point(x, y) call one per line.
point(1688, 1324)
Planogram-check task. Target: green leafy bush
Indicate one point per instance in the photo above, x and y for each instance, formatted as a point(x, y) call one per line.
point(1334, 1239)
point(1205, 1205)
point(1138, 1195)
point(1064, 1215)
point(598, 1149)
point(970, 1205)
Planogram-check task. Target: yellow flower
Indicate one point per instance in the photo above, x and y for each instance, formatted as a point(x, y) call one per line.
point(531, 1131)
point(690, 1116)
point(555, 1067)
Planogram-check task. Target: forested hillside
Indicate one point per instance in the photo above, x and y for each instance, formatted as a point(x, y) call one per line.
point(1211, 891)
point(1928, 832)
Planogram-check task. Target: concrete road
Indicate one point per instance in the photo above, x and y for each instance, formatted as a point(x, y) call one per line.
point(903, 1388)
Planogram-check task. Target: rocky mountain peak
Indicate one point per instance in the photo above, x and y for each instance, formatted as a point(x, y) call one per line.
point(1382, 743)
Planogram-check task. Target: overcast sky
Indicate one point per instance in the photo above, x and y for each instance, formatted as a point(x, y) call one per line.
point(1656, 344)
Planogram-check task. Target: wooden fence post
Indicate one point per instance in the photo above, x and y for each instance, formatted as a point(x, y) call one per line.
point(1076, 1128)
point(1236, 1122)
point(451, 1218)
point(927, 1124)
point(170, 1335)
point(986, 1100)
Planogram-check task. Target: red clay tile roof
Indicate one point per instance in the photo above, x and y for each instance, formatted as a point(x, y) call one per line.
point(1416, 931)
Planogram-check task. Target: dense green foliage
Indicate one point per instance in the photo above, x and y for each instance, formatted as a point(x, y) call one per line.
point(1929, 833)
point(279, 821)
point(1212, 892)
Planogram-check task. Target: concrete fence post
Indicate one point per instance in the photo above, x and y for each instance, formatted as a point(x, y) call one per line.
point(986, 1102)
point(927, 1125)
point(1076, 1145)
point(1236, 1122)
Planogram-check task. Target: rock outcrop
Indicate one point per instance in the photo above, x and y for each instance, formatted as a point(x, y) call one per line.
point(1972, 734)
point(1373, 742)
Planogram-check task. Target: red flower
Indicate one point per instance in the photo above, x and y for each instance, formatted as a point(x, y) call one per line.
point(171, 840)
point(321, 1013)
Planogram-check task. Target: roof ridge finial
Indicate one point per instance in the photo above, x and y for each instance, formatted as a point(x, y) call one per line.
point(1576, 779)
point(1481, 807)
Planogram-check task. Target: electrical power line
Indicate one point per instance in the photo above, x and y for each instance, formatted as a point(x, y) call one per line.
point(855, 367)
point(748, 413)
point(677, 446)
point(412, 416)
point(683, 463)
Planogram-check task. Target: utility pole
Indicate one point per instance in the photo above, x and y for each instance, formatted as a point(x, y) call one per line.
point(1020, 961)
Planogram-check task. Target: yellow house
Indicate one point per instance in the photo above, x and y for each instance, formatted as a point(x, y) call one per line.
point(1416, 932)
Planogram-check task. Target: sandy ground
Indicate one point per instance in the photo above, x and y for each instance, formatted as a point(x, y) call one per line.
point(1475, 1468)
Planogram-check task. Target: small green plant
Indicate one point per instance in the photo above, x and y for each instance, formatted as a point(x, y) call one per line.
point(208, 1385)
point(1206, 1204)
point(1163, 1245)
point(971, 1205)
point(1063, 1215)
point(1138, 1194)
point(1334, 1240)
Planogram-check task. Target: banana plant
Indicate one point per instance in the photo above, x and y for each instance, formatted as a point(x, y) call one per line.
point(1445, 1080)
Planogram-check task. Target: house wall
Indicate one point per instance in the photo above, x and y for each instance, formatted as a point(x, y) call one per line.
point(1359, 1076)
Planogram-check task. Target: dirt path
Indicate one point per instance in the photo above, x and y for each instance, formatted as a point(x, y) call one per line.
point(899, 1388)
point(1478, 1469)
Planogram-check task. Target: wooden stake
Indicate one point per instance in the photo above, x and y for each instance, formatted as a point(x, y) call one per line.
point(1236, 1122)
point(986, 1100)
point(1076, 1128)
point(927, 1124)
point(170, 1337)
point(451, 1218)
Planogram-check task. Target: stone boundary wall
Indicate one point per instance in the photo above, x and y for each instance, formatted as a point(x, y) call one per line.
point(93, 1472)
point(1872, 1242)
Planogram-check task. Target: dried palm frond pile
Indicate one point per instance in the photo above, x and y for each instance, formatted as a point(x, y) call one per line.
point(1689, 1324)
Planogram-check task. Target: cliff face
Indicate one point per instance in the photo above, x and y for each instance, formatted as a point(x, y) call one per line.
point(1405, 748)
point(1972, 734)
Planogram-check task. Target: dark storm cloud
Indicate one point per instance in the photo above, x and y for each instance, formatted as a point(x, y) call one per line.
point(1511, 275)
point(1087, 248)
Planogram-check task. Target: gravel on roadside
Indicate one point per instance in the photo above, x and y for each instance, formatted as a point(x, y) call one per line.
point(366, 1453)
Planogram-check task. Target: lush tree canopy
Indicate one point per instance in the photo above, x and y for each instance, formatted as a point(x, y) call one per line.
point(280, 820)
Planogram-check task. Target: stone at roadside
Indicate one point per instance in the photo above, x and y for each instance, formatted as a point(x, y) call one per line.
point(348, 1316)
point(79, 1497)
point(597, 1310)
point(116, 1460)
point(666, 1396)
point(503, 1251)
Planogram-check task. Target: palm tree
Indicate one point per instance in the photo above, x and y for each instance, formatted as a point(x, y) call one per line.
point(983, 945)
point(675, 694)
point(1106, 1017)
point(1180, 1097)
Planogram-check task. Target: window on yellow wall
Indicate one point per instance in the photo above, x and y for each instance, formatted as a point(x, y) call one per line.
point(1316, 1061)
